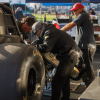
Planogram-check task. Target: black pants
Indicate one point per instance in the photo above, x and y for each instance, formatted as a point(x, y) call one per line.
point(61, 80)
point(88, 55)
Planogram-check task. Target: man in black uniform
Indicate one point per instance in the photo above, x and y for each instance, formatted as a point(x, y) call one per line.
point(60, 43)
point(25, 26)
point(84, 39)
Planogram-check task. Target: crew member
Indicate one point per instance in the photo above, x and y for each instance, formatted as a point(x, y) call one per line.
point(26, 26)
point(84, 39)
point(91, 11)
point(60, 43)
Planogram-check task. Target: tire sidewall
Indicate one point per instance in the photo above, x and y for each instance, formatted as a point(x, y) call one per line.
point(31, 59)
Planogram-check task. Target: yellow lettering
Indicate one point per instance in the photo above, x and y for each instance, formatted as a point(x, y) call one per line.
point(24, 98)
point(35, 53)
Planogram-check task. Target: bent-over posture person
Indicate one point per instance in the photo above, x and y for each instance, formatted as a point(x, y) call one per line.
point(60, 43)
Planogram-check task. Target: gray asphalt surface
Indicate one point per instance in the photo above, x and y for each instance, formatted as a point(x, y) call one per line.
point(96, 61)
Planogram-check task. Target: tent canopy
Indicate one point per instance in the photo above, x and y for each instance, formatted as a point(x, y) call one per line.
point(60, 4)
point(61, 1)
point(52, 1)
point(95, 1)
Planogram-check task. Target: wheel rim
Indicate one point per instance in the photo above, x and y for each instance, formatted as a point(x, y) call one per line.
point(31, 81)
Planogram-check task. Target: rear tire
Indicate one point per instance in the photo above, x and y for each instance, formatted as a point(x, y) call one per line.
point(22, 72)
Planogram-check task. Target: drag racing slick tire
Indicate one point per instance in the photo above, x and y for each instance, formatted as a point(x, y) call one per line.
point(22, 72)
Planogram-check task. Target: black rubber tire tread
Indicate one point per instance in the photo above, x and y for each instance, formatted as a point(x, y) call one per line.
point(16, 60)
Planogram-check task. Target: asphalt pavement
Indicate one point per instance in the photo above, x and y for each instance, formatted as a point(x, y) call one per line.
point(81, 88)
point(96, 61)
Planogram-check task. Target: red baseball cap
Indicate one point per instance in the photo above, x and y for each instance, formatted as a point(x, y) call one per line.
point(77, 6)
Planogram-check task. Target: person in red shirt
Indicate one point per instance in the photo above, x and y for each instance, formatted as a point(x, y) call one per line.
point(55, 23)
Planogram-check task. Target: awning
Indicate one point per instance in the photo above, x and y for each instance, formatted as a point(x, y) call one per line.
point(57, 4)
point(95, 1)
point(52, 1)
point(61, 1)
point(61, 4)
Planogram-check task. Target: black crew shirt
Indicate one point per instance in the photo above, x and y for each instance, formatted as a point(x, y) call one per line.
point(57, 41)
point(84, 31)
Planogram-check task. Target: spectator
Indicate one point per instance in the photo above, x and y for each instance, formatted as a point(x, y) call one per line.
point(19, 14)
point(35, 9)
point(91, 11)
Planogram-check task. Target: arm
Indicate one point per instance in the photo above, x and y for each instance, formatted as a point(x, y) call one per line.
point(68, 26)
point(49, 41)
